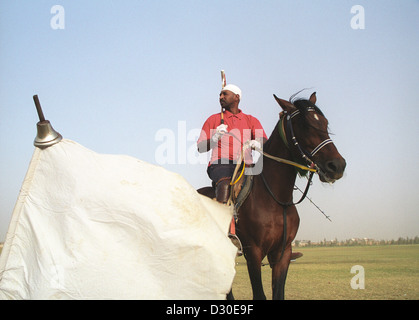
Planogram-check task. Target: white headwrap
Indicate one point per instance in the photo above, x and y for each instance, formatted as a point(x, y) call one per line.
point(233, 88)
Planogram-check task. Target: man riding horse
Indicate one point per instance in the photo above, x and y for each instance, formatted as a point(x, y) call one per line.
point(226, 148)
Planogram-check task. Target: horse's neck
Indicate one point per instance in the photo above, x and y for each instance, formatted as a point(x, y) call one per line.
point(279, 176)
point(275, 146)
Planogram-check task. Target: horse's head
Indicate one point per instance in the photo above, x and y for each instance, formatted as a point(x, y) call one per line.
point(306, 131)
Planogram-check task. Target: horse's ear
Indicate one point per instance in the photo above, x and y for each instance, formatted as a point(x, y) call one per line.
point(313, 98)
point(285, 105)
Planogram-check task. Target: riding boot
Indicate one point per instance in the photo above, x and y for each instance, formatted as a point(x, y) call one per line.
point(222, 190)
point(222, 193)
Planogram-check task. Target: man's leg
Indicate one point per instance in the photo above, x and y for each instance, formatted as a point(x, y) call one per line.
point(222, 189)
point(221, 174)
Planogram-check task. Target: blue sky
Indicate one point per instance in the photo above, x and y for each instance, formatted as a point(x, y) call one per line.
point(126, 77)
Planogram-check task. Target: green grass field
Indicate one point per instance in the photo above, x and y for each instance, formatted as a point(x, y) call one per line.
point(324, 273)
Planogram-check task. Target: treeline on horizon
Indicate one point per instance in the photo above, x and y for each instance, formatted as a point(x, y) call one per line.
point(347, 242)
point(355, 242)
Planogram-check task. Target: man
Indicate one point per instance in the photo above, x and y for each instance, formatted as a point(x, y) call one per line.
point(225, 140)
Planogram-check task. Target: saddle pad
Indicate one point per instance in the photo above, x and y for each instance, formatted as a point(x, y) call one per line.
point(241, 191)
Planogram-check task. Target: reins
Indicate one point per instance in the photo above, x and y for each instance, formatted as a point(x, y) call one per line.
point(312, 168)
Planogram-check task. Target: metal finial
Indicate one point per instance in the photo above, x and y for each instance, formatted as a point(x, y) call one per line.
point(46, 135)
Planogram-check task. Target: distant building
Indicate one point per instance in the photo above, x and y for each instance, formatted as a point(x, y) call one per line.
point(301, 243)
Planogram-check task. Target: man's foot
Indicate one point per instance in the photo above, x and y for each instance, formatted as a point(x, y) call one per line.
point(296, 255)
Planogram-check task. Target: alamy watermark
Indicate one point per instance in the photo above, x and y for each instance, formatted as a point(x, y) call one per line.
point(358, 281)
point(57, 21)
point(180, 147)
point(358, 19)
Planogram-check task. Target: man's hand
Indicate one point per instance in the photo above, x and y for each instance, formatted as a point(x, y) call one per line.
point(220, 131)
point(254, 144)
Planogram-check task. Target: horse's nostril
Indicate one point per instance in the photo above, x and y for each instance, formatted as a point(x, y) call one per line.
point(331, 166)
point(336, 166)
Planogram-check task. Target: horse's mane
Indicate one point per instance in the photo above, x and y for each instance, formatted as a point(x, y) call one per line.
point(303, 105)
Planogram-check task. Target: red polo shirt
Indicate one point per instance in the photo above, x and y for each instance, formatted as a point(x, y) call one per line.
point(243, 126)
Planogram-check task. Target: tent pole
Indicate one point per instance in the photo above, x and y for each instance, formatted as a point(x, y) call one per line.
point(38, 108)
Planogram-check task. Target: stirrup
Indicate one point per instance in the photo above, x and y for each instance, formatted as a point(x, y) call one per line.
point(236, 241)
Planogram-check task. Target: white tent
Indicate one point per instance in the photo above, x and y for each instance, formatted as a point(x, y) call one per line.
point(94, 226)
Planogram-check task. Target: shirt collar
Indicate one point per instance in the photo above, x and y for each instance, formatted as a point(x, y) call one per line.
point(229, 114)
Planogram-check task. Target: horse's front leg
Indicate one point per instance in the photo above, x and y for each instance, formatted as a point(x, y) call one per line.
point(254, 265)
point(279, 272)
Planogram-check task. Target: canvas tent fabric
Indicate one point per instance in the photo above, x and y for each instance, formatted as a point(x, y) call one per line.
point(97, 226)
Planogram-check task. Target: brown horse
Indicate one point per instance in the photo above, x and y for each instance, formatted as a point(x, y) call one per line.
point(268, 219)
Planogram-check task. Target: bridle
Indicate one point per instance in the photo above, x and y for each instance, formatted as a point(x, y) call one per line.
point(288, 136)
point(289, 132)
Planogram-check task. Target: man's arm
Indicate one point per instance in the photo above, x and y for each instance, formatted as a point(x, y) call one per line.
point(204, 146)
point(208, 144)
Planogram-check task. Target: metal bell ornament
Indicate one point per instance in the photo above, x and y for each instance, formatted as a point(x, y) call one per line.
point(46, 135)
